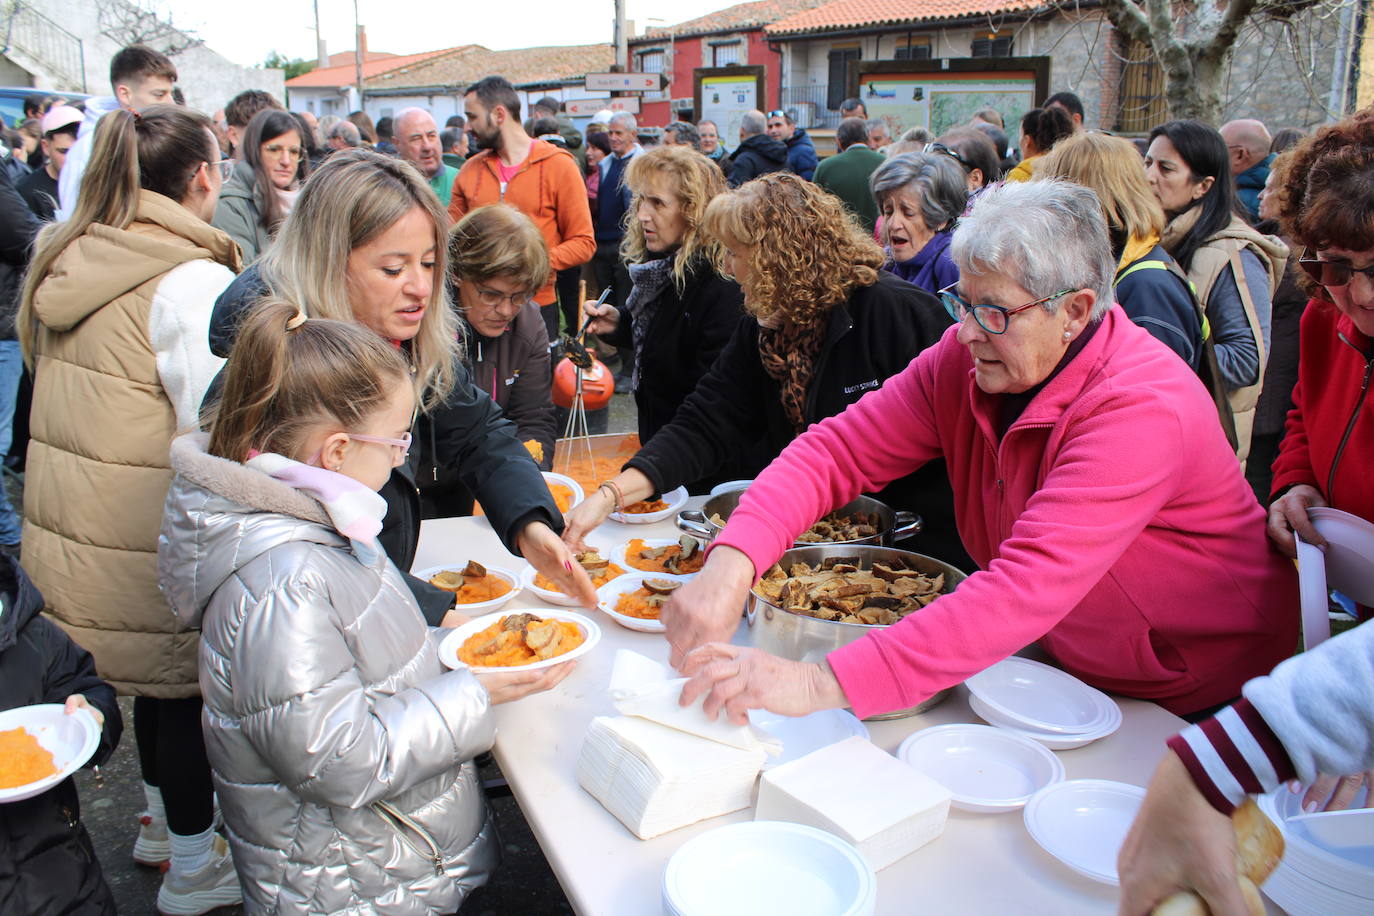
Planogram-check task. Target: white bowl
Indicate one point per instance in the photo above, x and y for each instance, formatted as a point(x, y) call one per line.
point(476, 607)
point(577, 492)
point(448, 649)
point(608, 594)
point(543, 594)
point(622, 559)
point(70, 739)
point(986, 769)
point(800, 735)
point(760, 867)
point(731, 486)
point(1051, 740)
point(1040, 697)
point(675, 499)
point(1083, 822)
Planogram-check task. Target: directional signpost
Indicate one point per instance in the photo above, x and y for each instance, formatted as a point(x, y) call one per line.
point(625, 82)
point(585, 108)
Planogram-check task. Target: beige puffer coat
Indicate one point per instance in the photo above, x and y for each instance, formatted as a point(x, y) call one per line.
point(121, 360)
point(341, 748)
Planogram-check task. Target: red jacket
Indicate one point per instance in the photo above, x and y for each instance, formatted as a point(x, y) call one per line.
point(1111, 523)
point(548, 189)
point(1329, 440)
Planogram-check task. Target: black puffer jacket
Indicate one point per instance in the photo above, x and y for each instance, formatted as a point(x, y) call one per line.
point(468, 435)
point(757, 155)
point(688, 330)
point(47, 864)
point(737, 406)
point(18, 226)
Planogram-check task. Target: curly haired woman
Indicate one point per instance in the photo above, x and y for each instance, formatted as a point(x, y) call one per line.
point(824, 326)
point(680, 312)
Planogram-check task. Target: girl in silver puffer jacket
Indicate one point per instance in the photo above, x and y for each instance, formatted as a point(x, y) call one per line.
point(342, 750)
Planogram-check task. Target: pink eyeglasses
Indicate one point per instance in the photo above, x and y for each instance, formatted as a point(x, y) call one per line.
point(402, 445)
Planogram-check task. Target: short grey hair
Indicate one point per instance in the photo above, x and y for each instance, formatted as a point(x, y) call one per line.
point(752, 123)
point(917, 135)
point(348, 132)
point(685, 134)
point(938, 179)
point(625, 120)
point(877, 124)
point(1045, 235)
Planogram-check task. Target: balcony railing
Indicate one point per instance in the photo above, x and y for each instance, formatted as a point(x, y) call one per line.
point(45, 42)
point(808, 103)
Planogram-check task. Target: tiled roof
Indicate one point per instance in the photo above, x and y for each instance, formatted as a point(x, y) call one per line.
point(522, 66)
point(346, 74)
point(736, 18)
point(345, 58)
point(854, 14)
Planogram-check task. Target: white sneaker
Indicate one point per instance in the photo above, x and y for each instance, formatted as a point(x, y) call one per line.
point(153, 847)
point(213, 886)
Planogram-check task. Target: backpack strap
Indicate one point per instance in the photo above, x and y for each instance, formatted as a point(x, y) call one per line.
point(1173, 268)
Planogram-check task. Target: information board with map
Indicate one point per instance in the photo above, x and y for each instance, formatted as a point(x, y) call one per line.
point(906, 94)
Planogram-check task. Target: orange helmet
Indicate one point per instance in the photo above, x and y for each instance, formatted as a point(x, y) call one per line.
point(597, 385)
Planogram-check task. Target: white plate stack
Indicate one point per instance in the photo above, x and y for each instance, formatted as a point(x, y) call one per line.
point(1315, 879)
point(1043, 703)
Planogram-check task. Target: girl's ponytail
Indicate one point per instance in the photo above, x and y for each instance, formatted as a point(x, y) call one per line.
point(287, 374)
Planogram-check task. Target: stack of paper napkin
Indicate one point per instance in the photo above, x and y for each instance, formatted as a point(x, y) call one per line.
point(659, 766)
point(861, 794)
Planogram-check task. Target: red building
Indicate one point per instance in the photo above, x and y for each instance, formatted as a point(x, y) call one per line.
point(724, 39)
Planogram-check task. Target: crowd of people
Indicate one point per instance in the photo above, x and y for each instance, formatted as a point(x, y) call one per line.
point(262, 347)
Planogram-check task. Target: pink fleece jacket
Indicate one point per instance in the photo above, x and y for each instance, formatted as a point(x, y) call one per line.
point(1112, 523)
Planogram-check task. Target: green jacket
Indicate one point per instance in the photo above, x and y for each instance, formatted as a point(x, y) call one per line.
point(846, 176)
point(239, 213)
point(442, 183)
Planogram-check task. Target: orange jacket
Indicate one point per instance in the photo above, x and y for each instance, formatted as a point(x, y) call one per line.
point(548, 189)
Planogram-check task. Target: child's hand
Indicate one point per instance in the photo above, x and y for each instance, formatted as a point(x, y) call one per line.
point(454, 618)
point(514, 685)
point(78, 701)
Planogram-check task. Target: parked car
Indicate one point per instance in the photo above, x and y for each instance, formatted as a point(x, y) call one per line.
point(12, 101)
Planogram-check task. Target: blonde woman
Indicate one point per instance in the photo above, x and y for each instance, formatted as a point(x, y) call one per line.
point(367, 242)
point(498, 261)
point(680, 311)
point(1149, 286)
point(113, 319)
point(827, 326)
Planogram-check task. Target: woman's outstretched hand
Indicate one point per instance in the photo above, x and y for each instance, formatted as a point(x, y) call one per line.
point(547, 553)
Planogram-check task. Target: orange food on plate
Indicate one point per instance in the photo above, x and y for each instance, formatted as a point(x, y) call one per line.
point(645, 506)
point(666, 559)
point(519, 639)
point(562, 496)
point(471, 584)
point(599, 578)
point(641, 603)
point(22, 759)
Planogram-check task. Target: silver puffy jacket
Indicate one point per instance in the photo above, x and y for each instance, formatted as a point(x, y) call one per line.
point(341, 747)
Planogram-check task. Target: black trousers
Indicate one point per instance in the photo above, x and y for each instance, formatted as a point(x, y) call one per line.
point(171, 752)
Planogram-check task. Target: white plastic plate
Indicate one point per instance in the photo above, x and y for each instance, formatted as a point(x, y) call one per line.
point(577, 493)
point(987, 770)
point(1040, 697)
point(731, 486)
point(675, 499)
point(759, 867)
point(476, 607)
point(800, 735)
point(1083, 822)
point(1316, 614)
point(609, 593)
point(70, 739)
point(543, 594)
point(1052, 740)
point(1349, 552)
point(448, 649)
point(621, 555)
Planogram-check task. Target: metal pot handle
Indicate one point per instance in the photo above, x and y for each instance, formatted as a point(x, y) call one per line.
point(693, 521)
point(905, 525)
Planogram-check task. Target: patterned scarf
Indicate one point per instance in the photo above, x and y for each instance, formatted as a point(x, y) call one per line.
point(355, 510)
point(649, 279)
point(788, 353)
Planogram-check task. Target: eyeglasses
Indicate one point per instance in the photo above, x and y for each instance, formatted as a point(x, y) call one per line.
point(225, 167)
point(1333, 274)
point(954, 154)
point(401, 445)
point(295, 152)
point(491, 298)
point(991, 318)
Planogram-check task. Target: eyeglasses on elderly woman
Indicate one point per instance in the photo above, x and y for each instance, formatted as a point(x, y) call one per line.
point(952, 153)
point(1332, 274)
point(991, 318)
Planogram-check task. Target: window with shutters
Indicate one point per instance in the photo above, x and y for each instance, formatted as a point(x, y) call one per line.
point(839, 60)
point(725, 53)
point(654, 61)
point(992, 44)
point(912, 48)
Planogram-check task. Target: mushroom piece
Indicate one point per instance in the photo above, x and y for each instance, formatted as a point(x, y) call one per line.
point(519, 621)
point(662, 586)
point(474, 570)
point(591, 560)
point(689, 546)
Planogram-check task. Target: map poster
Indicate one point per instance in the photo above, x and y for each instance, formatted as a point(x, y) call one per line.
point(725, 99)
point(939, 104)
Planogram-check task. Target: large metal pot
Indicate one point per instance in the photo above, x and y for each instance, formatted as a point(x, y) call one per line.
point(893, 526)
point(810, 639)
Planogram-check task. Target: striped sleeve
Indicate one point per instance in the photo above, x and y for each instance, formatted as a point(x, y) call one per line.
point(1232, 755)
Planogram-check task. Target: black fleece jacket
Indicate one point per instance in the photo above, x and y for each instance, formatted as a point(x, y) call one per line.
point(467, 435)
point(47, 864)
point(737, 406)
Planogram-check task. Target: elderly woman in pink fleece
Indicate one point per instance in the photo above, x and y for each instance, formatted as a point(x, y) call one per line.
point(1093, 486)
